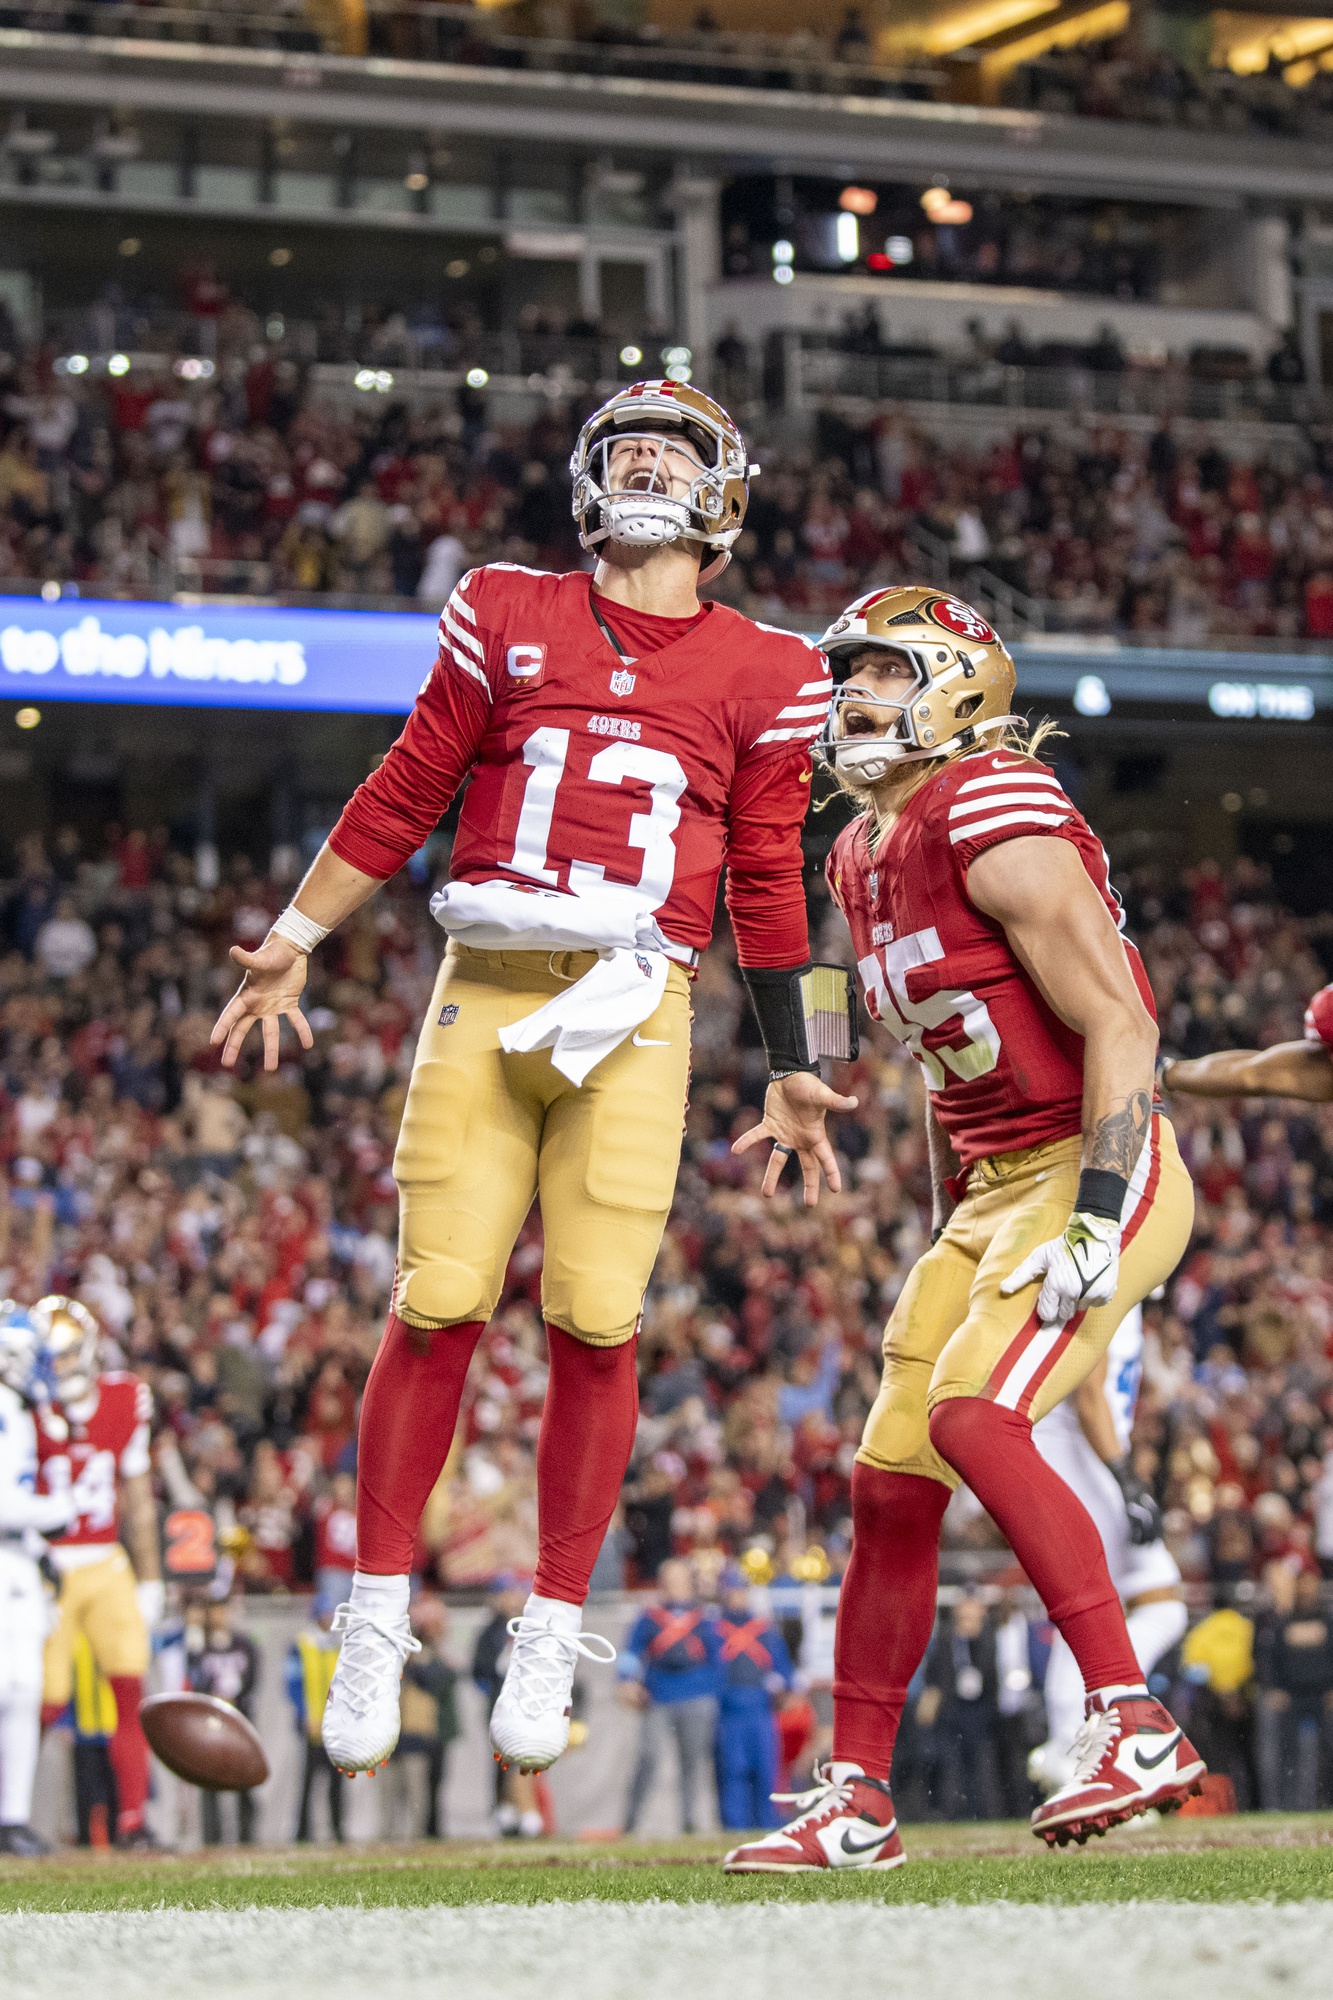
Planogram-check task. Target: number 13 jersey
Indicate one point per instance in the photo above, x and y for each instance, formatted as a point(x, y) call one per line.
point(1003, 1070)
point(589, 767)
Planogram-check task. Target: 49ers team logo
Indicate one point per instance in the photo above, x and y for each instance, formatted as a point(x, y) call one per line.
point(960, 619)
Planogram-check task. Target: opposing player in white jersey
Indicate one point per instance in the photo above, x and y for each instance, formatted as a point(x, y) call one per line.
point(1086, 1439)
point(25, 1515)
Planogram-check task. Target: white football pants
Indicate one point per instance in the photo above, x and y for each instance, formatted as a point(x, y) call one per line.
point(1154, 1628)
point(23, 1626)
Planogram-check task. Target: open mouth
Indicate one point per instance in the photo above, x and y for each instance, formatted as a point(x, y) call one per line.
point(856, 722)
point(646, 482)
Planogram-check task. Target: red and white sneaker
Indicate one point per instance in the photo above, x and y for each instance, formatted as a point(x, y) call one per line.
point(1128, 1757)
point(845, 1821)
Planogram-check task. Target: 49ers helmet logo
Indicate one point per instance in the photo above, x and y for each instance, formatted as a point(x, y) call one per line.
point(961, 620)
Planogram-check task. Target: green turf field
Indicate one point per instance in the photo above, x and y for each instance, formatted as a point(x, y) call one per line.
point(1263, 1856)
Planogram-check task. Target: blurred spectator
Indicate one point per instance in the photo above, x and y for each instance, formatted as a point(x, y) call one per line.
point(755, 1673)
point(518, 1813)
point(669, 1670)
point(335, 1539)
point(1295, 1668)
point(65, 945)
point(310, 1663)
point(413, 1778)
point(961, 1671)
point(1217, 1657)
point(224, 1663)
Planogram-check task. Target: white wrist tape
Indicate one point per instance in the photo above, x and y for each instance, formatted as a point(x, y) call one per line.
point(302, 931)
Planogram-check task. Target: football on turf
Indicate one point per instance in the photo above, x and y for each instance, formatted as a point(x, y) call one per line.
point(204, 1741)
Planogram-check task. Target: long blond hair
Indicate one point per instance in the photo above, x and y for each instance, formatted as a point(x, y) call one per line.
point(883, 802)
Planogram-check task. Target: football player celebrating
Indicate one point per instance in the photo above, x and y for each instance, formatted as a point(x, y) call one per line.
point(987, 939)
point(92, 1442)
point(623, 741)
point(25, 1515)
point(1086, 1438)
point(1289, 1069)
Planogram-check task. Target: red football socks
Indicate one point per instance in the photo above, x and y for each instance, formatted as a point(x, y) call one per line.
point(128, 1752)
point(408, 1413)
point(587, 1434)
point(1047, 1527)
point(886, 1610)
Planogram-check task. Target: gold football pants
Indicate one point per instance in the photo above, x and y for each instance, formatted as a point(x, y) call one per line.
point(952, 1334)
point(484, 1131)
point(98, 1601)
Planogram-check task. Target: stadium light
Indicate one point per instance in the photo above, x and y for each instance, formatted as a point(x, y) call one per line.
point(677, 357)
point(783, 252)
point(74, 364)
point(631, 356)
point(783, 273)
point(28, 718)
point(477, 378)
point(847, 236)
point(898, 249)
point(119, 364)
point(1090, 696)
point(858, 200)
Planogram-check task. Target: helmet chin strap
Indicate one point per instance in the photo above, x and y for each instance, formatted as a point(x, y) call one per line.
point(714, 568)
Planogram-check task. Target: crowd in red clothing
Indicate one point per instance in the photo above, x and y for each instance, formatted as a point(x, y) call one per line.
point(237, 1240)
point(250, 480)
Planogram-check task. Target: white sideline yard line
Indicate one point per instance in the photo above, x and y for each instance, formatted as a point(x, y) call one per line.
point(659, 1951)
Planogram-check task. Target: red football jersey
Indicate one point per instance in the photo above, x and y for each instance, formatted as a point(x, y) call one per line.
point(587, 767)
point(1003, 1070)
point(106, 1446)
point(335, 1537)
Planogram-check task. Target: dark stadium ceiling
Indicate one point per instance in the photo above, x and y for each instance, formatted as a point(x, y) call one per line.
point(714, 128)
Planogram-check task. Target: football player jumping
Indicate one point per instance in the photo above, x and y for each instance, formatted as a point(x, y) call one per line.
point(92, 1442)
point(1289, 1069)
point(623, 740)
point(987, 938)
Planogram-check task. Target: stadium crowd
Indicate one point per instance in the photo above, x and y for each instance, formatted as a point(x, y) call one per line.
point(146, 482)
point(236, 1239)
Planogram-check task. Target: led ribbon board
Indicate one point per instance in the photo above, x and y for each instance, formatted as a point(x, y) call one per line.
point(213, 656)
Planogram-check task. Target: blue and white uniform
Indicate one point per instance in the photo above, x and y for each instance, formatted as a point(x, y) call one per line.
point(25, 1515)
point(1153, 1628)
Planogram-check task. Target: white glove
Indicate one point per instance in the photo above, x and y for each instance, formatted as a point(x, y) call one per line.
point(152, 1595)
point(1078, 1270)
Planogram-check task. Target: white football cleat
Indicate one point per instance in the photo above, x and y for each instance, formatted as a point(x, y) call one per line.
point(362, 1714)
point(530, 1720)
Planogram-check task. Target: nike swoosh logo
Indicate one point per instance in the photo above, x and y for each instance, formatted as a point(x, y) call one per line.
point(850, 1846)
point(1151, 1763)
point(640, 1043)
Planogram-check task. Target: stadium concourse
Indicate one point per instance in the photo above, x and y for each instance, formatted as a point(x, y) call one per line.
point(260, 476)
point(236, 1240)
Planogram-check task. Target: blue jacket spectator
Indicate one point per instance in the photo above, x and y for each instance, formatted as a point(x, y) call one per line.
point(756, 1670)
point(671, 1670)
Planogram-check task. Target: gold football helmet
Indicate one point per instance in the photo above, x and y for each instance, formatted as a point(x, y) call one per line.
point(645, 511)
point(71, 1340)
point(964, 682)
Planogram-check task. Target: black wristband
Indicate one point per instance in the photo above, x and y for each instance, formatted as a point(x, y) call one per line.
point(1102, 1193)
point(776, 999)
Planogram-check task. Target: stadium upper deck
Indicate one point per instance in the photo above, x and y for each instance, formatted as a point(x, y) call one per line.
point(605, 176)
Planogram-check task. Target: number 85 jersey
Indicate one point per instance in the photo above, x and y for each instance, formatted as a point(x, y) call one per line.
point(1004, 1071)
point(588, 766)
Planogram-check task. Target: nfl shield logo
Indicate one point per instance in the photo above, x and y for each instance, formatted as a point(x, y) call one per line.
point(622, 682)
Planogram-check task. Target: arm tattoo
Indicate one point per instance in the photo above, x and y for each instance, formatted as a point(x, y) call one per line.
point(1117, 1139)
